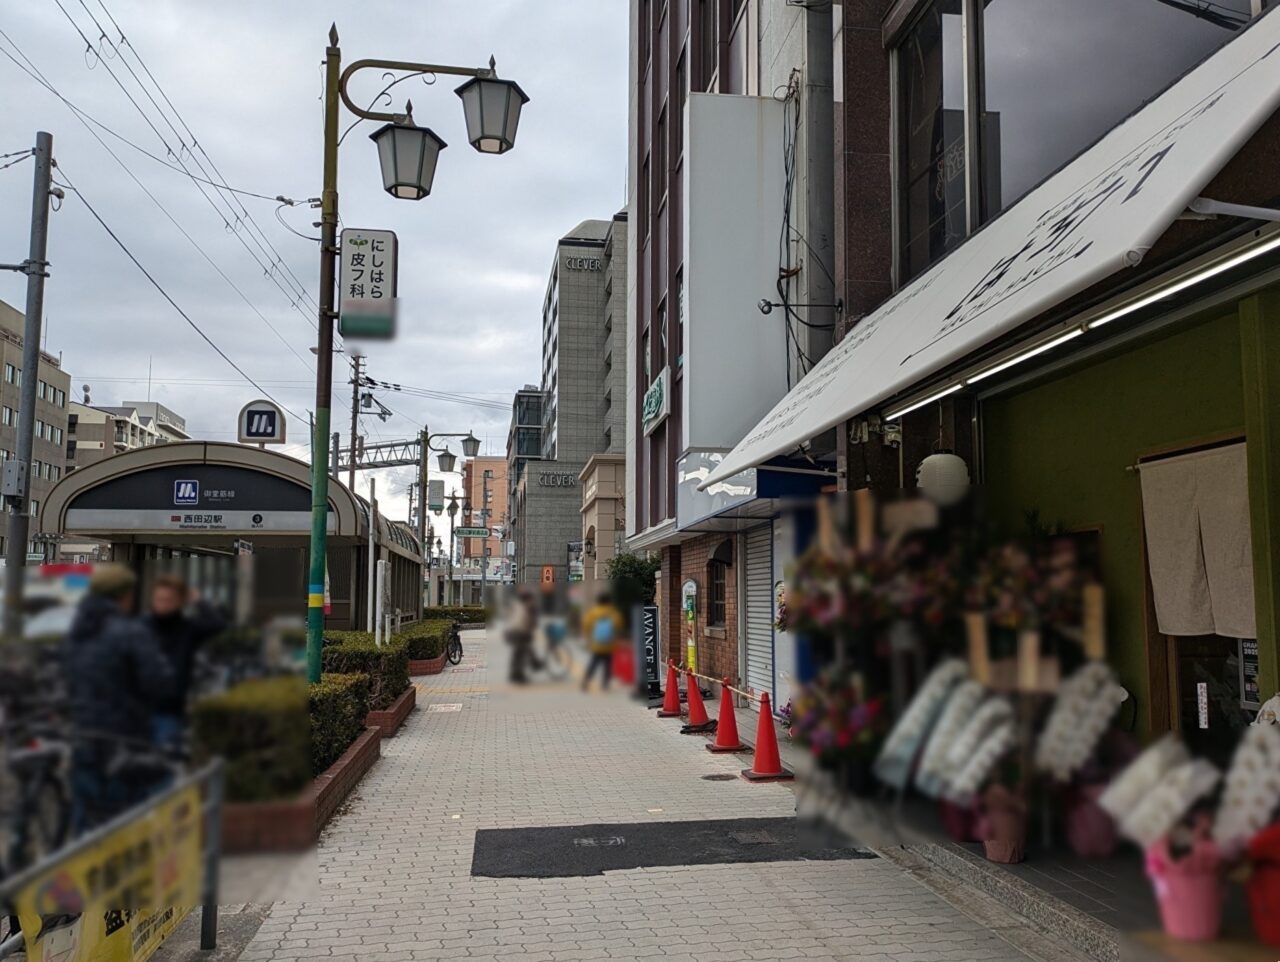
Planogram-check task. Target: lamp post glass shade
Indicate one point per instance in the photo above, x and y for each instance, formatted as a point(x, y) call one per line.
point(492, 109)
point(408, 157)
point(447, 460)
point(470, 446)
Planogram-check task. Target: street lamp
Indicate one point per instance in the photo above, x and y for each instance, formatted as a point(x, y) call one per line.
point(470, 445)
point(447, 460)
point(492, 108)
point(408, 155)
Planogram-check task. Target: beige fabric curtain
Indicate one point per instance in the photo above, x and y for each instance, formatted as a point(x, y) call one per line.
point(1196, 513)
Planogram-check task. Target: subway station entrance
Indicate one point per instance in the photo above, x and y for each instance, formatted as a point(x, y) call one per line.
point(237, 519)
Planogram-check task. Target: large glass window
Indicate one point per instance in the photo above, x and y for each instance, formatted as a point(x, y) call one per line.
point(931, 130)
point(1054, 77)
point(1060, 75)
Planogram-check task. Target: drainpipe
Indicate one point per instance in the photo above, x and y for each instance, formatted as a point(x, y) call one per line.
point(818, 133)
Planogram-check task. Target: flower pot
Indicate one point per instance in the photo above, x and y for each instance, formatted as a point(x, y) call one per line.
point(1091, 832)
point(957, 821)
point(1190, 890)
point(1264, 902)
point(1005, 838)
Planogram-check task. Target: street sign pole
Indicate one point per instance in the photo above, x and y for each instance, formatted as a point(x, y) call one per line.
point(18, 471)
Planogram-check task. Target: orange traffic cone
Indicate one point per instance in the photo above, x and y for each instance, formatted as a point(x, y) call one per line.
point(699, 722)
point(671, 698)
point(767, 766)
point(727, 739)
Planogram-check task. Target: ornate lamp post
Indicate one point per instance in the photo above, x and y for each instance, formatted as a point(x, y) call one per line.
point(408, 155)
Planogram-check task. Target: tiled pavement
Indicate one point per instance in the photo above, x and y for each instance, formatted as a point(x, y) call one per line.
point(394, 866)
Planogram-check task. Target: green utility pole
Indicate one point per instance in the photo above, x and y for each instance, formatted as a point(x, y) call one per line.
point(324, 362)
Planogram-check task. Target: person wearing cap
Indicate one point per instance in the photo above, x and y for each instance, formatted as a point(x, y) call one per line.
point(117, 676)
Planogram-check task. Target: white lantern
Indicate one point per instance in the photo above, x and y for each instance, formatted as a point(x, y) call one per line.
point(943, 478)
point(492, 108)
point(408, 157)
point(470, 446)
point(447, 460)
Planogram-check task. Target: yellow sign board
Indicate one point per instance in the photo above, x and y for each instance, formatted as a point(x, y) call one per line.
point(118, 900)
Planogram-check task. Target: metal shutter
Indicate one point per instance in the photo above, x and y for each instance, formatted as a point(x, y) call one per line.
point(759, 585)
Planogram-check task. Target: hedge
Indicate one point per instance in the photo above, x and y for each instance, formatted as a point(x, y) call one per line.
point(469, 615)
point(263, 731)
point(424, 639)
point(387, 666)
point(338, 705)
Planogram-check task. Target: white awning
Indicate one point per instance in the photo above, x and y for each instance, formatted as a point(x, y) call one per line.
point(1100, 213)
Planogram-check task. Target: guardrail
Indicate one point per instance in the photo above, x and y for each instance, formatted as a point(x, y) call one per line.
point(209, 780)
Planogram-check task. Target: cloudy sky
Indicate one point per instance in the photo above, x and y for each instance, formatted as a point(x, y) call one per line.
point(245, 77)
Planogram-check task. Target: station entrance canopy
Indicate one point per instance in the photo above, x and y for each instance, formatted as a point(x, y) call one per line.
point(1099, 214)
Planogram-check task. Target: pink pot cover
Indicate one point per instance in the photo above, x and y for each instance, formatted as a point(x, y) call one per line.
point(1090, 830)
point(1190, 891)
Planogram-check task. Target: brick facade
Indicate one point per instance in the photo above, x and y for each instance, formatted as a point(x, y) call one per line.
point(717, 645)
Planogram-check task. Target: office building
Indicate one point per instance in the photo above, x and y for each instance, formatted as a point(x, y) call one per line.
point(580, 400)
point(484, 487)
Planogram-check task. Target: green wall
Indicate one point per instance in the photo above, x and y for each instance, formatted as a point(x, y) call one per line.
point(1062, 446)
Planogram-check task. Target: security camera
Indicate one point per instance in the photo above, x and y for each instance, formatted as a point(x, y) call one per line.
point(765, 306)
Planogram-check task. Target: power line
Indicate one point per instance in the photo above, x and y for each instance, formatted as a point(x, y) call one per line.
point(39, 78)
point(19, 160)
point(195, 143)
point(165, 294)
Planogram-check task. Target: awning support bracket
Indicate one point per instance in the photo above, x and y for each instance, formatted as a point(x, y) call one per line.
point(1203, 208)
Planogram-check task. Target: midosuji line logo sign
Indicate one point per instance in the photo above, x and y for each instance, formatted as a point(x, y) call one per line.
point(261, 422)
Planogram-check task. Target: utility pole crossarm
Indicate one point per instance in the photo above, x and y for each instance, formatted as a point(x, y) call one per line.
point(409, 67)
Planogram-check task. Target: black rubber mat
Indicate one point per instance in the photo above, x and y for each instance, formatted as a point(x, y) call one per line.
point(575, 850)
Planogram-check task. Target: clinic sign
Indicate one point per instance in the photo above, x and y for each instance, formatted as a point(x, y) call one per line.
point(260, 422)
point(367, 283)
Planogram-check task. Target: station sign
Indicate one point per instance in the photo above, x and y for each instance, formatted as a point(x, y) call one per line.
point(471, 532)
point(367, 283)
point(261, 422)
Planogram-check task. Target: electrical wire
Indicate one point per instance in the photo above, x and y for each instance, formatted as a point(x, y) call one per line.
point(194, 243)
point(164, 293)
point(231, 224)
point(19, 160)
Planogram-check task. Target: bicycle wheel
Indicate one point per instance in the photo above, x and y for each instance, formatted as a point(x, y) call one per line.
point(43, 824)
point(454, 651)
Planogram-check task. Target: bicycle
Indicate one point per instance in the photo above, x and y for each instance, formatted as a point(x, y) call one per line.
point(558, 661)
point(453, 647)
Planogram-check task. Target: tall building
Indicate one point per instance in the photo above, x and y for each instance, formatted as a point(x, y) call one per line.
point(580, 399)
point(168, 425)
point(732, 257)
point(47, 458)
point(484, 485)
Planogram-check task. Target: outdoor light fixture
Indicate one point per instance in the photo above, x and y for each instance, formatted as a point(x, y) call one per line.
point(492, 109)
point(408, 157)
point(447, 460)
point(470, 446)
point(894, 415)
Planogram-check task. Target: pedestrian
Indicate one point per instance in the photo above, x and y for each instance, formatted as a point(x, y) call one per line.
point(521, 619)
point(117, 677)
point(602, 626)
point(181, 621)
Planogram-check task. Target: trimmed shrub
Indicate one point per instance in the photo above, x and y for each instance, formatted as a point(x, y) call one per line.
point(338, 706)
point(387, 667)
point(424, 639)
point(262, 729)
point(468, 615)
point(342, 637)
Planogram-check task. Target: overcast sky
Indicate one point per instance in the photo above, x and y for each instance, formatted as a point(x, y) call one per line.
point(245, 76)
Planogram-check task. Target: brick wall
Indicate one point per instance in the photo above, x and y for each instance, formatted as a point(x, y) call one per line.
point(717, 646)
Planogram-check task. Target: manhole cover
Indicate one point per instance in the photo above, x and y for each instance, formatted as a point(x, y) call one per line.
point(753, 838)
point(720, 777)
point(457, 707)
point(466, 668)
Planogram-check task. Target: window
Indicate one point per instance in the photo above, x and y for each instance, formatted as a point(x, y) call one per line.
point(8, 417)
point(646, 361)
point(73, 421)
point(661, 360)
point(931, 181)
point(39, 429)
point(57, 436)
point(1026, 48)
point(660, 156)
point(40, 389)
point(10, 374)
point(35, 507)
point(707, 32)
point(61, 398)
point(1027, 45)
point(719, 581)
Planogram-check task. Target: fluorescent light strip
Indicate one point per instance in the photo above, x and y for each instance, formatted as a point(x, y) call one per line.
point(893, 416)
point(1186, 282)
point(1025, 355)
